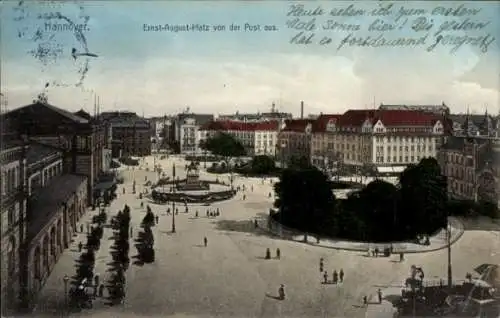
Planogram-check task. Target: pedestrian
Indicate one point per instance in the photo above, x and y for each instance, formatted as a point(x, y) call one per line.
point(256, 225)
point(365, 300)
point(341, 275)
point(81, 228)
point(244, 197)
point(321, 264)
point(268, 253)
point(196, 213)
point(80, 246)
point(130, 231)
point(317, 240)
point(281, 292)
point(376, 251)
point(379, 293)
point(401, 257)
point(101, 290)
point(207, 213)
point(123, 190)
point(96, 280)
point(335, 277)
point(205, 241)
point(157, 219)
point(142, 204)
point(278, 253)
point(269, 195)
point(325, 277)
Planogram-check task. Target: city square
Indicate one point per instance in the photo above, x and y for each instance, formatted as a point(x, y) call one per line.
point(231, 277)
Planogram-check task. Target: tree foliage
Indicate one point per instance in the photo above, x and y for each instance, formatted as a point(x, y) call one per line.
point(262, 165)
point(305, 199)
point(379, 212)
point(224, 145)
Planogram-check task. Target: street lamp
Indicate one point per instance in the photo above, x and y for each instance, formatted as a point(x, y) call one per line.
point(173, 199)
point(65, 280)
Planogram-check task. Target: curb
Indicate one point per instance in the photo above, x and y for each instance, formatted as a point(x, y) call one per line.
point(458, 225)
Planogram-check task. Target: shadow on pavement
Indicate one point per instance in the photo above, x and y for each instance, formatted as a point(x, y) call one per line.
point(481, 224)
point(273, 297)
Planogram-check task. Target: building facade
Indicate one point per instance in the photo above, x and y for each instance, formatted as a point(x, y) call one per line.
point(258, 138)
point(294, 140)
point(474, 125)
point(185, 131)
point(81, 140)
point(472, 167)
point(386, 140)
point(41, 204)
point(130, 134)
point(323, 154)
point(13, 226)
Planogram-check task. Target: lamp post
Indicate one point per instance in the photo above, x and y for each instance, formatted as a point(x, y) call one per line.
point(173, 199)
point(65, 280)
point(283, 146)
point(448, 238)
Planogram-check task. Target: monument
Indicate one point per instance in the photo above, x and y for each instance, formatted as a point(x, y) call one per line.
point(192, 182)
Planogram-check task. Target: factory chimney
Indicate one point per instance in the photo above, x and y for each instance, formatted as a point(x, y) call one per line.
point(301, 109)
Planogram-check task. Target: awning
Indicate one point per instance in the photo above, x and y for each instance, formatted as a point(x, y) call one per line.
point(396, 169)
point(104, 185)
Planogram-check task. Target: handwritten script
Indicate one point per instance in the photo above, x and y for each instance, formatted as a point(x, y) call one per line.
point(386, 24)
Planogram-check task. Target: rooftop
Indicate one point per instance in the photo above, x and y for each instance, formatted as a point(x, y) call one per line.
point(37, 152)
point(403, 118)
point(298, 125)
point(321, 123)
point(31, 109)
point(43, 204)
point(228, 125)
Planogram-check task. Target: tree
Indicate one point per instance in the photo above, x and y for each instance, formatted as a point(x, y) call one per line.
point(263, 165)
point(224, 145)
point(175, 146)
point(423, 197)
point(299, 162)
point(305, 200)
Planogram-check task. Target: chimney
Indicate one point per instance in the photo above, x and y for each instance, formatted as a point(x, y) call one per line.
point(301, 109)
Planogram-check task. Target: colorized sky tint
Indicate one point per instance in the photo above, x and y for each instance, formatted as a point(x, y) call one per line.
point(227, 71)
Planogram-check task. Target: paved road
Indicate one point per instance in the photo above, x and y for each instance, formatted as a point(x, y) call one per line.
point(230, 277)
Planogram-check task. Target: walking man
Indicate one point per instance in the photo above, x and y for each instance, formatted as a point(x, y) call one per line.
point(81, 228)
point(101, 290)
point(379, 293)
point(325, 276)
point(321, 264)
point(80, 246)
point(278, 253)
point(205, 241)
point(157, 219)
point(341, 275)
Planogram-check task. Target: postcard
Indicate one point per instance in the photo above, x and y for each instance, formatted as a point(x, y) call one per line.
point(250, 158)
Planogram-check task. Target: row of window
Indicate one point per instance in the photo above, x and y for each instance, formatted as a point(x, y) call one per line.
point(11, 179)
point(394, 159)
point(406, 148)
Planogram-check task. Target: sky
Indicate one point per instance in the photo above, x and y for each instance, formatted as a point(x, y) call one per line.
point(164, 72)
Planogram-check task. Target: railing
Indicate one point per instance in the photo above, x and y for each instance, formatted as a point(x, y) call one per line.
point(13, 195)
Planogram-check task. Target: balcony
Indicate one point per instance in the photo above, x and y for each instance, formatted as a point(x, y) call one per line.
point(15, 195)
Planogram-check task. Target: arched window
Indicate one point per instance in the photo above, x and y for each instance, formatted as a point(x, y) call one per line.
point(37, 262)
point(12, 251)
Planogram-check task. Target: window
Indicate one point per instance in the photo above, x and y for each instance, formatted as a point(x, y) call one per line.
point(406, 158)
point(11, 216)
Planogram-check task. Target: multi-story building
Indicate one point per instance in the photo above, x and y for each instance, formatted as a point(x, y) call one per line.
point(40, 207)
point(56, 201)
point(442, 110)
point(258, 138)
point(387, 140)
point(273, 114)
point(472, 168)
point(13, 205)
point(294, 140)
point(323, 154)
point(82, 141)
point(185, 130)
point(474, 125)
point(131, 134)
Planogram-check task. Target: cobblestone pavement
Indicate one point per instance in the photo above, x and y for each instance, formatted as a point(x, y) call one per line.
point(230, 277)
